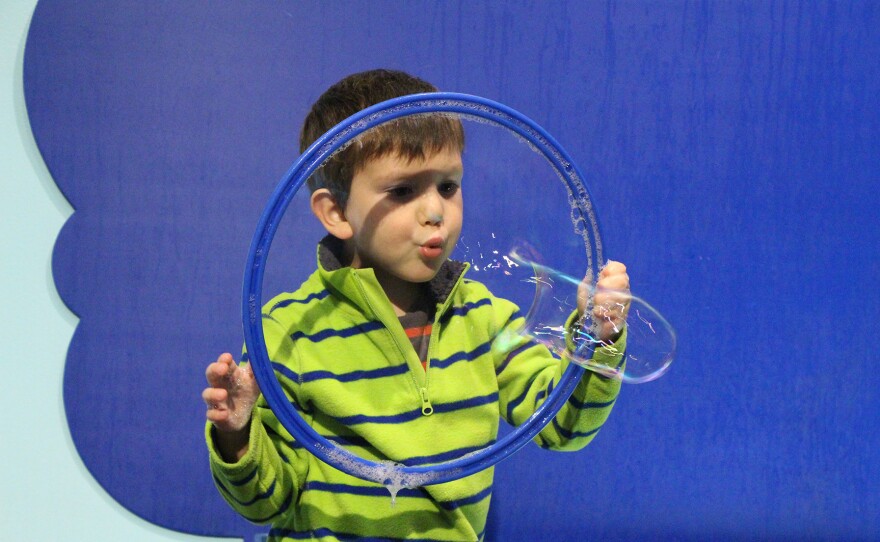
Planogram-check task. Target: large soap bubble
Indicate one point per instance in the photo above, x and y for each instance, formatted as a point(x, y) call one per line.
point(496, 255)
point(651, 341)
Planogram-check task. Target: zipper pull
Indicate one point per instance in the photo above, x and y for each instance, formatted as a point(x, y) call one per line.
point(427, 409)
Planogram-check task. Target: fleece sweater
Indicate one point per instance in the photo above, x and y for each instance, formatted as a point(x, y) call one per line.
point(343, 358)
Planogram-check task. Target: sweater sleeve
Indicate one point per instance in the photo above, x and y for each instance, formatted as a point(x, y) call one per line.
point(527, 374)
point(264, 484)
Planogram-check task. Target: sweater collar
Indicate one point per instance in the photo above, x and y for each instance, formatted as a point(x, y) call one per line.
point(342, 278)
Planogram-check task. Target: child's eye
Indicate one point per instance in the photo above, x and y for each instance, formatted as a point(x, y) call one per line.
point(400, 192)
point(449, 188)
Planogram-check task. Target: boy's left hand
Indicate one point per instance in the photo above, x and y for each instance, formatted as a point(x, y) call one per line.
point(610, 301)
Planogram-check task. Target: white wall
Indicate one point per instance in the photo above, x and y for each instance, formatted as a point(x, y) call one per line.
point(46, 492)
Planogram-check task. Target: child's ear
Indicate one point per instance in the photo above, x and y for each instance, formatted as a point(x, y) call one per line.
point(331, 214)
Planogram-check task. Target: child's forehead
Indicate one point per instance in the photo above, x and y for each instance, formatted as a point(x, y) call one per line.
point(395, 163)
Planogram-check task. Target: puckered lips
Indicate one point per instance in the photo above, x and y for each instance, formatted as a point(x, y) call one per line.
point(432, 248)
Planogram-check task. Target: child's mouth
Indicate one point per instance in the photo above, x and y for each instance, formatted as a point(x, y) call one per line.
point(432, 249)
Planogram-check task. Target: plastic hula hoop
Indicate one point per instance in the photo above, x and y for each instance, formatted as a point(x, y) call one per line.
point(464, 106)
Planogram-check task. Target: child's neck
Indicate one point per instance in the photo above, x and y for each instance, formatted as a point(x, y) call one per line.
point(405, 296)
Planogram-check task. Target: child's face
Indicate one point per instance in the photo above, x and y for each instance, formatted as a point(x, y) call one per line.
point(405, 216)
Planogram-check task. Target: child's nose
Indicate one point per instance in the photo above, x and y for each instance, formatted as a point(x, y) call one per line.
point(432, 208)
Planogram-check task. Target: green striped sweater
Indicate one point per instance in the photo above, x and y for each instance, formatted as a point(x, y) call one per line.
point(343, 357)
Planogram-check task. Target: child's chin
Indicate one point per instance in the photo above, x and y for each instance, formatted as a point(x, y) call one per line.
point(425, 275)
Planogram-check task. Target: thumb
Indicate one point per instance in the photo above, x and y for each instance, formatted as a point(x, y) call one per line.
point(584, 293)
point(246, 377)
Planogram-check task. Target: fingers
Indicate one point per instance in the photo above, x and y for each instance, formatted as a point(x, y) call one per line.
point(613, 276)
point(611, 300)
point(610, 311)
point(612, 268)
point(583, 295)
point(612, 287)
point(220, 370)
point(231, 393)
point(216, 395)
point(217, 401)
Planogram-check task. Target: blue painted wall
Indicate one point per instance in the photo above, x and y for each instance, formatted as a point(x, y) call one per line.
point(731, 151)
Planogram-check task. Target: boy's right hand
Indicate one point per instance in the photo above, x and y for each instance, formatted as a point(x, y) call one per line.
point(231, 394)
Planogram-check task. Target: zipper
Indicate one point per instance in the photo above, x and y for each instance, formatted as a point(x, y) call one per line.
point(427, 409)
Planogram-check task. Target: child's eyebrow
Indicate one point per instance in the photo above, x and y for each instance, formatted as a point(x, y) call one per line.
point(427, 175)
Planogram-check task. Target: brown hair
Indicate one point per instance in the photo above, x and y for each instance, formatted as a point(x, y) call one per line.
point(409, 137)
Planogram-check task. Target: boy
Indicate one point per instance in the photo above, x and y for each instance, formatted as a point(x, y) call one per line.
point(386, 349)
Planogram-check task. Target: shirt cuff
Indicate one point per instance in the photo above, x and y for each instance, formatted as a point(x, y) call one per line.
point(245, 464)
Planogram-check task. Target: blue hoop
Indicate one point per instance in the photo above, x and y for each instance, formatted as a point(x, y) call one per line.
point(462, 105)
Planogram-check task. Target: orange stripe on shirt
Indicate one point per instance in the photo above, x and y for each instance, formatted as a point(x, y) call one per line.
point(413, 332)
